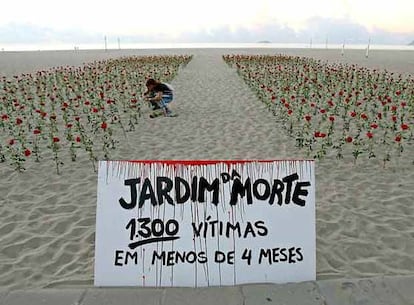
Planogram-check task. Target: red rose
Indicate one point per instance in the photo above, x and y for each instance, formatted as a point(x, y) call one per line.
point(56, 139)
point(403, 104)
point(353, 114)
point(4, 117)
point(19, 121)
point(394, 108)
point(78, 139)
point(87, 103)
point(364, 116)
point(27, 152)
point(398, 92)
point(379, 115)
point(308, 117)
point(332, 118)
point(104, 125)
point(374, 125)
point(77, 119)
point(404, 126)
point(95, 110)
point(290, 111)
point(36, 131)
point(370, 135)
point(398, 138)
point(348, 139)
point(69, 125)
point(11, 142)
point(322, 111)
point(394, 118)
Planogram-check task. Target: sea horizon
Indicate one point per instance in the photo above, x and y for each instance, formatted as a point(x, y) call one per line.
point(128, 46)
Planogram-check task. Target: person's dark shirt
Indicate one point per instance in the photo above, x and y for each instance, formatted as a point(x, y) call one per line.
point(162, 88)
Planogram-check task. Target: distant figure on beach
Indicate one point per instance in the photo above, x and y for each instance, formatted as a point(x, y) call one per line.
point(159, 95)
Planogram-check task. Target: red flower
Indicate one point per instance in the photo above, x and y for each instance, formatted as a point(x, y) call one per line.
point(353, 114)
point(104, 125)
point(394, 108)
point(78, 139)
point(11, 142)
point(348, 139)
point(331, 104)
point(56, 139)
point(273, 97)
point(394, 118)
point(27, 152)
point(404, 126)
point(69, 125)
point(374, 125)
point(370, 135)
point(36, 131)
point(398, 138)
point(403, 104)
point(19, 121)
point(95, 110)
point(364, 116)
point(379, 115)
point(319, 134)
point(308, 117)
point(87, 103)
point(65, 105)
point(322, 111)
point(290, 111)
point(398, 92)
point(313, 105)
point(77, 119)
point(332, 118)
point(4, 117)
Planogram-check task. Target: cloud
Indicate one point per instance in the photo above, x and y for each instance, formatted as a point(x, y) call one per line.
point(318, 29)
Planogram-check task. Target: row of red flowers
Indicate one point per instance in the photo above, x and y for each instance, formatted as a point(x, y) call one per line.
point(346, 108)
point(76, 109)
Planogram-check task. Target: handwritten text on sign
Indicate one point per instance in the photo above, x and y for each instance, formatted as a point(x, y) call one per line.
point(204, 223)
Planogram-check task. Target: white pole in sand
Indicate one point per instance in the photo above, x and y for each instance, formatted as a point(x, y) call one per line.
point(343, 49)
point(119, 44)
point(106, 44)
point(367, 53)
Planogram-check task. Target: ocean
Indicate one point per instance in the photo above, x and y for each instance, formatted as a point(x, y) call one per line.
point(114, 46)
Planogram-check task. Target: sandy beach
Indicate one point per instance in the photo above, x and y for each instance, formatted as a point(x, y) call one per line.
point(364, 213)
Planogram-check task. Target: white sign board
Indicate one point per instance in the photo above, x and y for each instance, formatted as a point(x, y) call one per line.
point(204, 223)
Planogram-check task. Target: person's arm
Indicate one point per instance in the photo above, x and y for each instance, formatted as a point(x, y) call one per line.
point(157, 97)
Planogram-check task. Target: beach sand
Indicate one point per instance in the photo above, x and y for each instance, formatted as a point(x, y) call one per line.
point(364, 213)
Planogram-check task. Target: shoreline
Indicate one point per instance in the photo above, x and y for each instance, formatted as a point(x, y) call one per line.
point(20, 62)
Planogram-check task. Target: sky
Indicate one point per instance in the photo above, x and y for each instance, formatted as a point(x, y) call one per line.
point(79, 21)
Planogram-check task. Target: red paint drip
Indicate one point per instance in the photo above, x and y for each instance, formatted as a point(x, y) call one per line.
point(207, 162)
